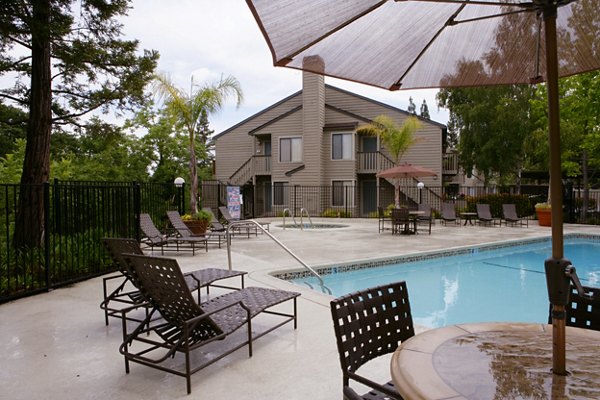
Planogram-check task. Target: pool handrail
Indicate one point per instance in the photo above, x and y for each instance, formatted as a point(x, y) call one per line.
point(232, 224)
point(302, 211)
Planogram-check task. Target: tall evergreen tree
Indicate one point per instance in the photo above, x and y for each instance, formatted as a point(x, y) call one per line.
point(68, 59)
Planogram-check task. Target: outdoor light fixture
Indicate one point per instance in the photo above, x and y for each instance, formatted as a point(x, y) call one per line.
point(179, 181)
point(420, 185)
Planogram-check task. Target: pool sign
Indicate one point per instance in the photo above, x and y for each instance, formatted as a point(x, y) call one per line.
point(234, 201)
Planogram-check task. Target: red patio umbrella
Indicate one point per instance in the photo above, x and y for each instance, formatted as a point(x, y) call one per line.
point(408, 44)
point(405, 170)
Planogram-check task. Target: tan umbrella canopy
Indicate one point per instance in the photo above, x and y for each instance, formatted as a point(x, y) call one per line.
point(409, 44)
point(405, 170)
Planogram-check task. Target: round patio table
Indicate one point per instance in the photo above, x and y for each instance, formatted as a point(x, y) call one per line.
point(496, 361)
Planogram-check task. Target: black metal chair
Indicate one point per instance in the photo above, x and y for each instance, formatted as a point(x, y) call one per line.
point(368, 324)
point(401, 221)
point(582, 312)
point(509, 216)
point(382, 219)
point(484, 215)
point(187, 326)
point(426, 218)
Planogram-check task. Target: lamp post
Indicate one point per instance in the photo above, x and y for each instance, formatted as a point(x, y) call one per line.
point(420, 186)
point(179, 182)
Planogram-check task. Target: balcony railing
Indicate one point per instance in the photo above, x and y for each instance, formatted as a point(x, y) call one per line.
point(450, 164)
point(372, 162)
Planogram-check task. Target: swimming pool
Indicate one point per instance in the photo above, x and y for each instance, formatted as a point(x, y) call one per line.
point(503, 282)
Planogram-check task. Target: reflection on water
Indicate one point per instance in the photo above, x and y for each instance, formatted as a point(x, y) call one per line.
point(516, 365)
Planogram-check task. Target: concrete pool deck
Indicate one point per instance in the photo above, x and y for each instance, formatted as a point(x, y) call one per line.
point(55, 345)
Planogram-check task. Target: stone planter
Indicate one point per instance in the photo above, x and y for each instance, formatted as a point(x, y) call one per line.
point(198, 227)
point(544, 216)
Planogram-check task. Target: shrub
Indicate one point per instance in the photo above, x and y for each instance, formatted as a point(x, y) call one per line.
point(522, 203)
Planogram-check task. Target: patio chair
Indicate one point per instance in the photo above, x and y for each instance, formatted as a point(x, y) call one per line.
point(154, 238)
point(582, 312)
point(509, 215)
point(401, 221)
point(382, 219)
point(189, 327)
point(484, 215)
point(127, 296)
point(250, 226)
point(369, 324)
point(449, 214)
point(184, 232)
point(426, 218)
point(215, 224)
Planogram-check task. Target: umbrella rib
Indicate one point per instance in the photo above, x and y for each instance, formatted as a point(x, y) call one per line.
point(480, 3)
point(450, 21)
point(462, 21)
point(287, 59)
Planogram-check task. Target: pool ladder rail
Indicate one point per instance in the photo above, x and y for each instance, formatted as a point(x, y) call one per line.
point(302, 212)
point(231, 225)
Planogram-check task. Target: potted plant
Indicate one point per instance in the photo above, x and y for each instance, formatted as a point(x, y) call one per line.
point(197, 222)
point(544, 214)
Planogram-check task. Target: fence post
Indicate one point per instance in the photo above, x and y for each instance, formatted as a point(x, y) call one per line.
point(47, 233)
point(137, 209)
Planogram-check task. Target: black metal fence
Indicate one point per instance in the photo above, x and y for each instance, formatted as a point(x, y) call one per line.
point(78, 214)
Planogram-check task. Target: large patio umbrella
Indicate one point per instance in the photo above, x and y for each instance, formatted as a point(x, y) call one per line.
point(405, 170)
point(408, 44)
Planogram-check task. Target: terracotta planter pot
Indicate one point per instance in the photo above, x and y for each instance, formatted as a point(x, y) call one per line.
point(544, 216)
point(197, 227)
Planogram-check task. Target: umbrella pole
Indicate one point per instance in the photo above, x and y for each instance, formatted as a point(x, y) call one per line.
point(558, 283)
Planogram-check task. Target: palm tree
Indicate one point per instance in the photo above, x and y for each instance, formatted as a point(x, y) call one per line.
point(188, 110)
point(397, 139)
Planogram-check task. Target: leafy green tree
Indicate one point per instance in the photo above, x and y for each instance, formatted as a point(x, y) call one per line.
point(67, 59)
point(189, 108)
point(397, 139)
point(13, 126)
point(492, 124)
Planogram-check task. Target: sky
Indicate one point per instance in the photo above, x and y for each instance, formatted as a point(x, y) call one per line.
point(207, 39)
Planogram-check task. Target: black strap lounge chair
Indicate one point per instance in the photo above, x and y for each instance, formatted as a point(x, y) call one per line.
point(184, 232)
point(369, 324)
point(248, 227)
point(127, 295)
point(582, 312)
point(215, 224)
point(154, 238)
point(509, 215)
point(449, 214)
point(484, 215)
point(188, 326)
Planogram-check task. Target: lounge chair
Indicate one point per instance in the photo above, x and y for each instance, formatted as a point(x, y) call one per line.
point(582, 312)
point(184, 232)
point(250, 226)
point(215, 224)
point(382, 219)
point(449, 214)
point(401, 219)
point(154, 238)
point(484, 215)
point(369, 324)
point(426, 218)
point(126, 296)
point(187, 326)
point(509, 215)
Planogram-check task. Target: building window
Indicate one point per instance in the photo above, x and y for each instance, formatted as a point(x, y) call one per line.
point(290, 149)
point(280, 193)
point(341, 146)
point(342, 193)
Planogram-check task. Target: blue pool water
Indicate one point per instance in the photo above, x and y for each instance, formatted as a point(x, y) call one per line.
point(506, 284)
